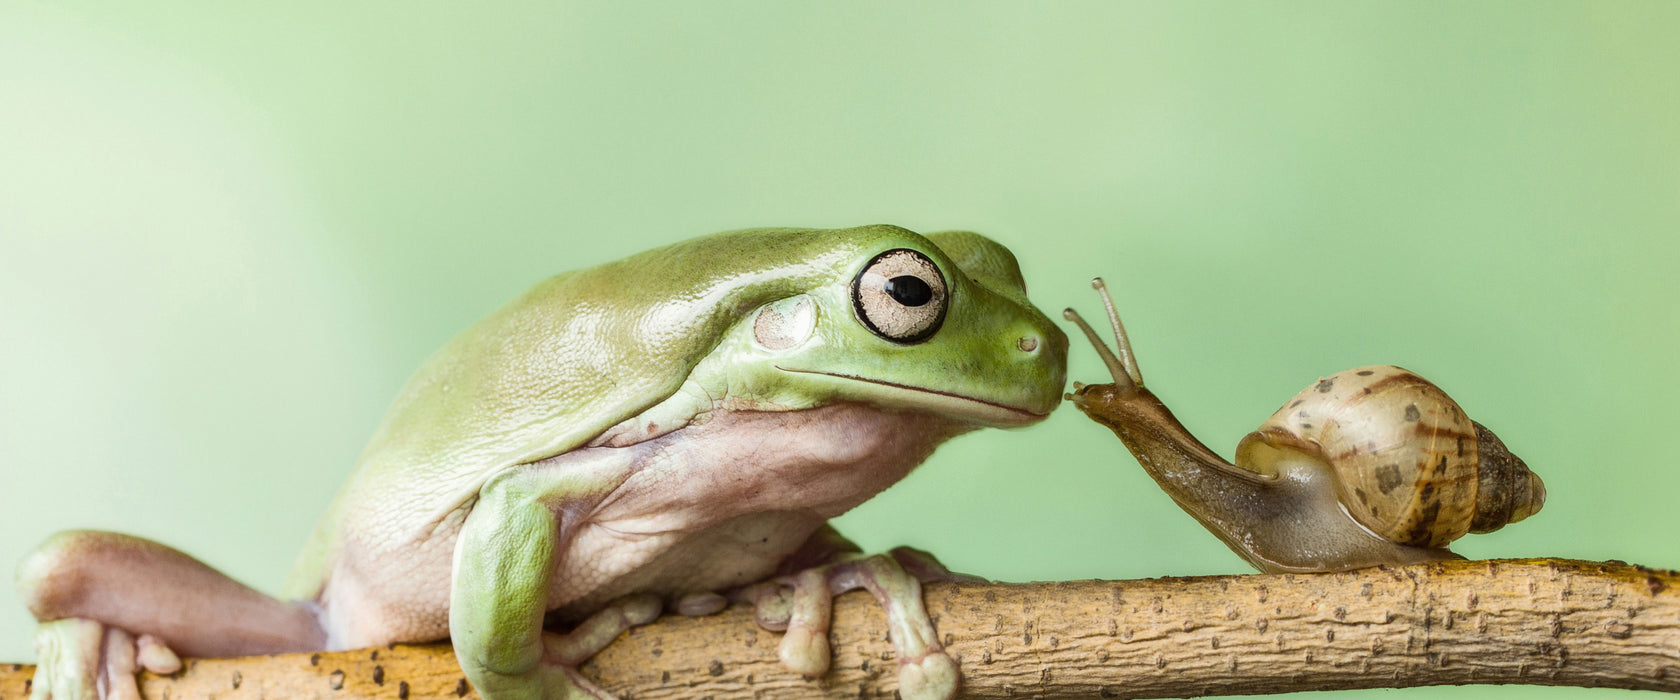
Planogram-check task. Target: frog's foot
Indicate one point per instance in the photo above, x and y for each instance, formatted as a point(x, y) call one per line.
point(80, 659)
point(803, 605)
point(563, 653)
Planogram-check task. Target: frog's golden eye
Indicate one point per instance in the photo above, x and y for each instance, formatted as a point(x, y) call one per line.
point(900, 295)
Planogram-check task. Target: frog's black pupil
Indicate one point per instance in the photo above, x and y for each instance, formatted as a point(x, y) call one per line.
point(909, 290)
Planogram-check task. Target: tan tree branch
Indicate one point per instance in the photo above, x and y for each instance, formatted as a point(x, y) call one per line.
point(1536, 621)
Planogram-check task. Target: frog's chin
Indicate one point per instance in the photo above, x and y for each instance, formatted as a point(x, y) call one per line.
point(905, 396)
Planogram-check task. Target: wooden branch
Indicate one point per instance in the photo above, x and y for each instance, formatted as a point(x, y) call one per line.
point(1536, 621)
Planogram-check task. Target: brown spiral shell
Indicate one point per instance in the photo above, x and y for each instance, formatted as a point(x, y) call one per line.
point(1409, 465)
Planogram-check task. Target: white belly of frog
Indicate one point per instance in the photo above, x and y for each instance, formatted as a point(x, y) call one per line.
point(733, 553)
point(721, 504)
point(693, 510)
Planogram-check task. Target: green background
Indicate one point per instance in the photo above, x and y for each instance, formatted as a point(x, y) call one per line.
point(228, 233)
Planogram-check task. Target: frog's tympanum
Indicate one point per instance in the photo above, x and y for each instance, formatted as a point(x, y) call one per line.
point(644, 434)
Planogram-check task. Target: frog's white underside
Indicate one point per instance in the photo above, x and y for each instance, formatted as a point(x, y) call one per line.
point(739, 492)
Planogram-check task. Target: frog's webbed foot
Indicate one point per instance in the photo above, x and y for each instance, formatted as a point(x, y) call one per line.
point(803, 605)
point(81, 659)
point(563, 653)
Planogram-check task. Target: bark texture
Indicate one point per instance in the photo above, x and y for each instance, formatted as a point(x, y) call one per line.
point(1534, 621)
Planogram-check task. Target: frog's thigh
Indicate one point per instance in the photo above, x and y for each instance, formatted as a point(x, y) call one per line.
point(144, 587)
point(504, 560)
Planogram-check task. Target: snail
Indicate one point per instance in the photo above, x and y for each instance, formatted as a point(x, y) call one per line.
point(1374, 465)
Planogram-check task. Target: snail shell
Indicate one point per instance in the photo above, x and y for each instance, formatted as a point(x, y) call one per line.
point(1409, 465)
point(1371, 466)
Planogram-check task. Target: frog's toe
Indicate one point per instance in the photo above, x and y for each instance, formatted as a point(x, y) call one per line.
point(68, 653)
point(640, 609)
point(116, 673)
point(772, 603)
point(804, 651)
point(933, 677)
point(155, 656)
point(805, 646)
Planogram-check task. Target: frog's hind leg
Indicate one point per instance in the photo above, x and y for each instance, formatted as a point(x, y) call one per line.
point(111, 604)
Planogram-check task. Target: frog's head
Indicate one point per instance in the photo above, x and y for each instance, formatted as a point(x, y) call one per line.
point(937, 323)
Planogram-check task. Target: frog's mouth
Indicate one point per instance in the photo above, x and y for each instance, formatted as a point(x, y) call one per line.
point(965, 407)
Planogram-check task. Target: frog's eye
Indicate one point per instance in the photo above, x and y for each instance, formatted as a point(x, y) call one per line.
point(900, 296)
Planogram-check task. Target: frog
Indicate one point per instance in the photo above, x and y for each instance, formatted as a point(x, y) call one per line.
point(672, 431)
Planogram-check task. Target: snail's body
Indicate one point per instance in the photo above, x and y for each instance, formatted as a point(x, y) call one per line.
point(1287, 522)
point(1370, 466)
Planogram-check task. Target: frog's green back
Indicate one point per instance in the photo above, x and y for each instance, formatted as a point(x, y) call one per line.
point(575, 355)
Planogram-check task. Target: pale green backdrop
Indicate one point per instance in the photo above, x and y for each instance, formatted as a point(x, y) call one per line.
point(228, 232)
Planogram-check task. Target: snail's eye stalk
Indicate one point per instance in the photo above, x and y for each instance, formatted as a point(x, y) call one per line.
point(1121, 363)
point(1122, 344)
point(1124, 377)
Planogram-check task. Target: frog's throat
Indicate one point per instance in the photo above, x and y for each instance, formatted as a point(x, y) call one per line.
point(955, 405)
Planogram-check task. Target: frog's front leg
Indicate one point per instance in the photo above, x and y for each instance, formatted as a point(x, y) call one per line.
point(504, 561)
point(802, 604)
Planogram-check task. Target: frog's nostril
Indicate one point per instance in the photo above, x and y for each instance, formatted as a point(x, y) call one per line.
point(1027, 343)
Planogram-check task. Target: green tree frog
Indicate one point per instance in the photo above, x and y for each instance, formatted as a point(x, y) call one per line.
point(621, 439)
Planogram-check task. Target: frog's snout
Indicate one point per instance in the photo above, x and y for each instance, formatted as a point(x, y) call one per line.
point(1018, 361)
